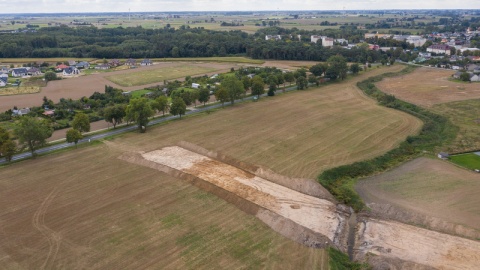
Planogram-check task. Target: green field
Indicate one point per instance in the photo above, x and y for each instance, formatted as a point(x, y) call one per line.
point(470, 160)
point(466, 115)
point(158, 75)
point(139, 93)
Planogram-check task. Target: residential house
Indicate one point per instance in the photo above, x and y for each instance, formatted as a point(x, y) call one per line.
point(115, 63)
point(327, 42)
point(50, 113)
point(417, 41)
point(475, 78)
point(472, 67)
point(33, 71)
point(146, 62)
point(457, 74)
point(102, 66)
point(3, 81)
point(315, 38)
point(19, 72)
point(131, 62)
point(274, 37)
point(439, 49)
point(83, 65)
point(341, 41)
point(70, 71)
point(21, 112)
point(61, 67)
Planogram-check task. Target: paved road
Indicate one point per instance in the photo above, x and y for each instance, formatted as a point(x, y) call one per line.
point(123, 129)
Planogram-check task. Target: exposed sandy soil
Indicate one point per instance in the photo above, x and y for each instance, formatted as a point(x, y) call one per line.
point(390, 239)
point(428, 86)
point(316, 214)
point(429, 192)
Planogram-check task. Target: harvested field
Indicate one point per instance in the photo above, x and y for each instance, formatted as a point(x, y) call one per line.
point(88, 209)
point(432, 193)
point(297, 134)
point(390, 240)
point(311, 213)
point(428, 86)
point(139, 77)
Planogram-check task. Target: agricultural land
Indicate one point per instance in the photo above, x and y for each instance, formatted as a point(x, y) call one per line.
point(111, 213)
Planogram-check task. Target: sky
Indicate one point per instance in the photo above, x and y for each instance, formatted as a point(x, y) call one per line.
point(75, 6)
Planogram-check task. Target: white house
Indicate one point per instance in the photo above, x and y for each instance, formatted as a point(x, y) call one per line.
point(475, 78)
point(19, 72)
point(439, 49)
point(327, 42)
point(146, 62)
point(70, 71)
point(3, 80)
point(417, 41)
point(274, 37)
point(195, 85)
point(315, 38)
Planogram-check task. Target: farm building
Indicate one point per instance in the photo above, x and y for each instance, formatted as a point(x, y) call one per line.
point(146, 62)
point(443, 155)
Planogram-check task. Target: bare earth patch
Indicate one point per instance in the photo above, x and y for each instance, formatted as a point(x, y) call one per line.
point(427, 87)
point(390, 239)
point(310, 212)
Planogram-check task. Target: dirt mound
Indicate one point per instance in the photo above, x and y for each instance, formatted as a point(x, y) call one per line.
point(305, 219)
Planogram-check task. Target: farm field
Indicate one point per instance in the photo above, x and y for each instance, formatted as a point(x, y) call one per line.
point(466, 115)
point(435, 193)
point(435, 87)
point(139, 77)
point(457, 101)
point(87, 208)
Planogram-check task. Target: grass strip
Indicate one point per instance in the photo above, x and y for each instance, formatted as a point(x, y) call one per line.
point(437, 130)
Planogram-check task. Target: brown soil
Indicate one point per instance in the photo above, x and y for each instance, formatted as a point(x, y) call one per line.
point(428, 86)
point(312, 220)
point(86, 209)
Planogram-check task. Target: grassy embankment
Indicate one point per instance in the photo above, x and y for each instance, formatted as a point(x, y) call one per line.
point(437, 130)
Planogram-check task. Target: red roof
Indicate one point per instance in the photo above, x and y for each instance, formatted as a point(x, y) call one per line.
point(62, 66)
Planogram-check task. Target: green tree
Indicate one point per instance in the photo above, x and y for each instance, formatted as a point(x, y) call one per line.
point(289, 77)
point(258, 86)
point(204, 95)
point(8, 149)
point(281, 80)
point(50, 76)
point(115, 114)
point(161, 104)
point(32, 132)
point(313, 79)
point(178, 107)
point(271, 89)
point(221, 95)
point(465, 77)
point(81, 122)
point(302, 83)
point(234, 88)
point(73, 136)
point(355, 68)
point(138, 111)
point(337, 67)
point(318, 69)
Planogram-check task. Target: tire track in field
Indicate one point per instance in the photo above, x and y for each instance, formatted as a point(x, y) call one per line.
point(53, 237)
